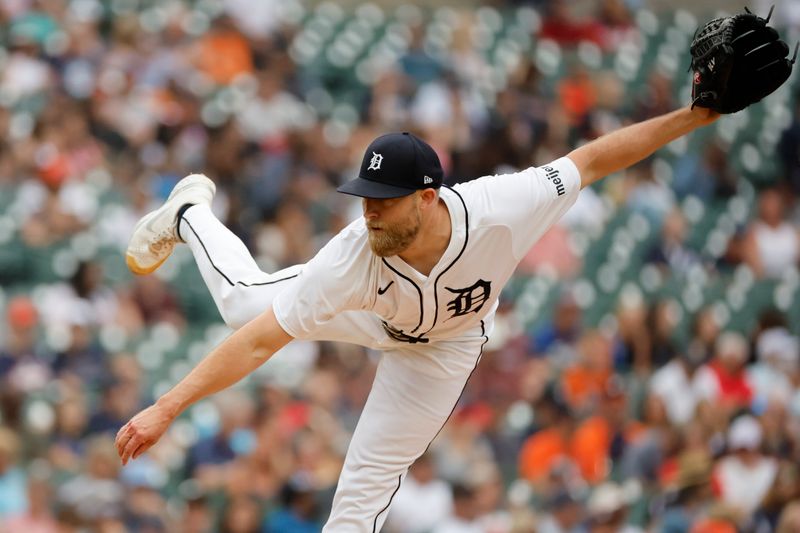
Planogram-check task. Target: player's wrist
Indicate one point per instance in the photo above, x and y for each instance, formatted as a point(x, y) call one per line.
point(169, 405)
point(703, 116)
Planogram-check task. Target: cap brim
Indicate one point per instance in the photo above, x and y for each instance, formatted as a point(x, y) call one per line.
point(373, 189)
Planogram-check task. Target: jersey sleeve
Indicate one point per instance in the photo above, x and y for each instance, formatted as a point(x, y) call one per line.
point(335, 280)
point(527, 202)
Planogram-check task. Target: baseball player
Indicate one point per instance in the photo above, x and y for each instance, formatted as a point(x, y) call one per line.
point(418, 278)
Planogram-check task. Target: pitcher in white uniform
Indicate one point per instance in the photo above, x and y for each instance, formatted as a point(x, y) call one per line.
point(418, 277)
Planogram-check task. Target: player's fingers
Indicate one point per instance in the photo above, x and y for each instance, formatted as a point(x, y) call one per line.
point(123, 436)
point(133, 443)
point(140, 450)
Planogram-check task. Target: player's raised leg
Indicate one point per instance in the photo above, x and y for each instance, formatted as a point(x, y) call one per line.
point(239, 288)
point(413, 395)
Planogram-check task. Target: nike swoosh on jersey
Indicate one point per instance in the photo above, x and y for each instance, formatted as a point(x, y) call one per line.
point(383, 290)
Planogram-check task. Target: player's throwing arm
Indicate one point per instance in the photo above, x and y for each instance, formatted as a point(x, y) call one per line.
point(736, 61)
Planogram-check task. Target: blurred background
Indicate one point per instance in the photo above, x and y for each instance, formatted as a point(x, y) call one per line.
point(644, 371)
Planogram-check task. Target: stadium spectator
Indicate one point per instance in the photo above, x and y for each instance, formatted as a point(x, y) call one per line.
point(560, 334)
point(670, 253)
point(563, 514)
point(463, 446)
point(145, 508)
point(723, 381)
point(584, 381)
point(241, 515)
point(648, 195)
point(24, 360)
point(463, 516)
point(68, 442)
point(423, 502)
point(709, 176)
point(95, 496)
point(563, 26)
point(673, 385)
point(13, 479)
point(704, 330)
point(85, 296)
point(607, 510)
point(783, 492)
point(789, 151)
point(417, 63)
point(656, 98)
point(548, 448)
point(790, 518)
point(121, 399)
point(197, 517)
point(298, 510)
point(632, 344)
point(38, 517)
point(209, 456)
point(745, 476)
point(82, 356)
point(552, 255)
point(772, 243)
point(691, 493)
point(772, 376)
point(661, 324)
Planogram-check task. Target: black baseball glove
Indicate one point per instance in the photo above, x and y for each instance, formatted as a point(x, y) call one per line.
point(737, 61)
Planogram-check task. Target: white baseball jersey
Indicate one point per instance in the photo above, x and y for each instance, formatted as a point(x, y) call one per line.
point(431, 329)
point(495, 221)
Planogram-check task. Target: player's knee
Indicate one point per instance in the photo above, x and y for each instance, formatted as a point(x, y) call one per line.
point(227, 310)
point(236, 311)
point(232, 320)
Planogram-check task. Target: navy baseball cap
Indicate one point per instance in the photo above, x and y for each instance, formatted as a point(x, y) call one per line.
point(395, 165)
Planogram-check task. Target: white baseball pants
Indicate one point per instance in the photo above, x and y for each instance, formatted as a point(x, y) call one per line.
point(414, 392)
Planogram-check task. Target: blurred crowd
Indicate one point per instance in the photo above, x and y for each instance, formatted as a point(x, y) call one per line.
point(569, 424)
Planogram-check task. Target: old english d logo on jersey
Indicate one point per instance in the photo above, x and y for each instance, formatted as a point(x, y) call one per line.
point(469, 299)
point(494, 221)
point(375, 162)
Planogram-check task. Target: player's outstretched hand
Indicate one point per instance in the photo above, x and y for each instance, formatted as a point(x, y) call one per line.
point(737, 61)
point(141, 432)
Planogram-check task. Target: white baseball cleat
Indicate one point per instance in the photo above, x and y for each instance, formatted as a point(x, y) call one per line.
point(155, 235)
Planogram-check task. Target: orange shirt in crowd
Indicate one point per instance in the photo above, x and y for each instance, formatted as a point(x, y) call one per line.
point(580, 385)
point(225, 55)
point(577, 96)
point(711, 525)
point(587, 448)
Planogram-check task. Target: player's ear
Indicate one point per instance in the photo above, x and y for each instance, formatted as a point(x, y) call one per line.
point(428, 197)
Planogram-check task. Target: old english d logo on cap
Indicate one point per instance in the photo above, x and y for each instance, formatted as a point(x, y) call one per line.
point(396, 165)
point(375, 162)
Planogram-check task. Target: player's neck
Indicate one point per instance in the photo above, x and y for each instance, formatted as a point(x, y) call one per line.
point(429, 246)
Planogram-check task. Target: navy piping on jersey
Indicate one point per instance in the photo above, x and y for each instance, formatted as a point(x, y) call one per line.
point(375, 522)
point(466, 239)
point(478, 360)
point(411, 281)
point(400, 478)
point(435, 294)
point(221, 273)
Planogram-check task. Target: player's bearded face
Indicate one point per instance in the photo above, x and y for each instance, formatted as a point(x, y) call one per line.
point(391, 238)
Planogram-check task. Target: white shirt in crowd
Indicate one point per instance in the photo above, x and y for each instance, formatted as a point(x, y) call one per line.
point(742, 486)
point(419, 508)
point(673, 386)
